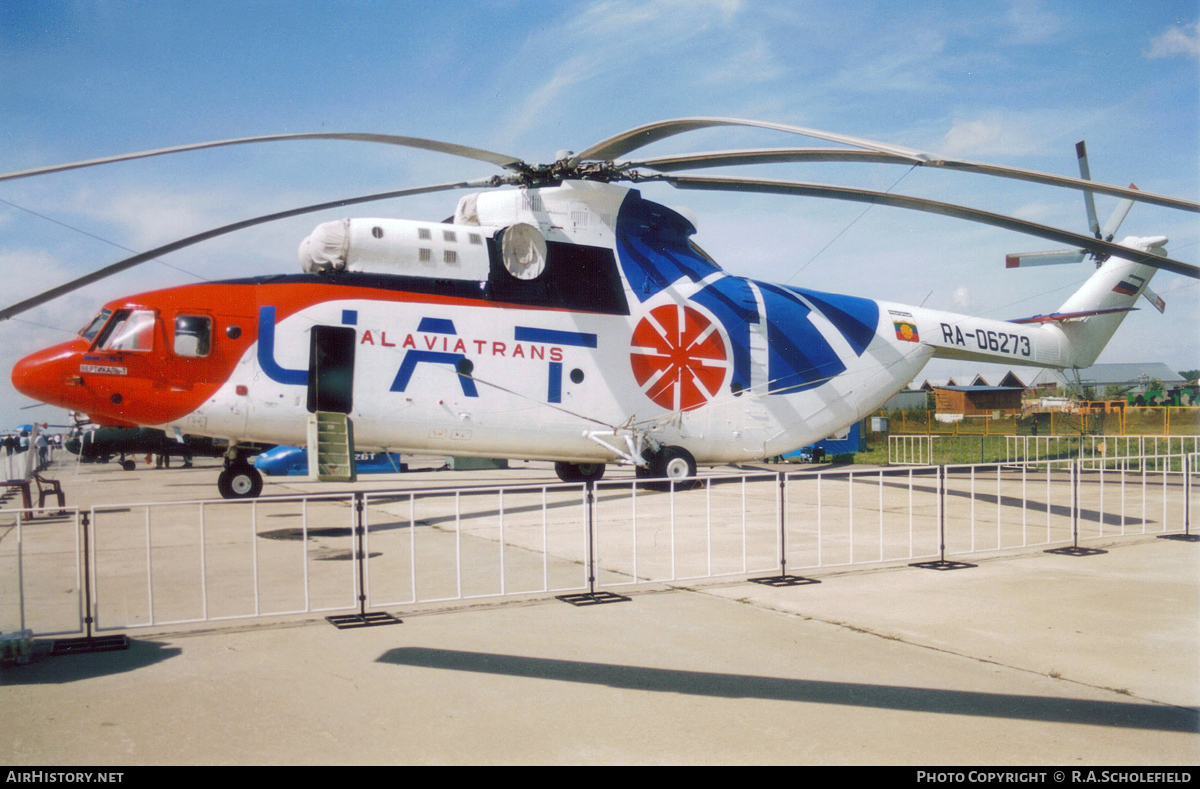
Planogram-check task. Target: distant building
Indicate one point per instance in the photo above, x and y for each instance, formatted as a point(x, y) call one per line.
point(978, 400)
point(1128, 377)
point(908, 400)
point(1010, 379)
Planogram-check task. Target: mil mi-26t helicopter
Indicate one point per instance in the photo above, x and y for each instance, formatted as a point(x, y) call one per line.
point(565, 319)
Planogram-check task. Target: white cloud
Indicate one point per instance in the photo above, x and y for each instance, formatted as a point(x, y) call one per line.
point(666, 17)
point(911, 65)
point(608, 35)
point(962, 298)
point(751, 65)
point(152, 216)
point(1183, 41)
point(1016, 133)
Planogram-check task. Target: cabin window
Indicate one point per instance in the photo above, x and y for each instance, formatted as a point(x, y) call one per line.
point(193, 335)
point(129, 330)
point(90, 331)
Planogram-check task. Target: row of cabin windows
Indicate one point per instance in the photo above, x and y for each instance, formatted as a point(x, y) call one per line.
point(133, 330)
point(449, 235)
point(426, 255)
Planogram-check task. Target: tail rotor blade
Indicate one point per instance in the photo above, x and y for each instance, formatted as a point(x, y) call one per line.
point(1089, 199)
point(1118, 216)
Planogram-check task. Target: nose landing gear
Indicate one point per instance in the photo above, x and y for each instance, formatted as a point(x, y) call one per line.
point(239, 480)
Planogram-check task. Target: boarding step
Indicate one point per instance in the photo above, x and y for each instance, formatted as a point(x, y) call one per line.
point(331, 447)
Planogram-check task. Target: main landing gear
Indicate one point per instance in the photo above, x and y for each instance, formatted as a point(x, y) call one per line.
point(675, 464)
point(579, 472)
point(239, 480)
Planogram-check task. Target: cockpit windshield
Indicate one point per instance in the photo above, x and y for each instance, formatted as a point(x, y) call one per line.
point(90, 331)
point(129, 330)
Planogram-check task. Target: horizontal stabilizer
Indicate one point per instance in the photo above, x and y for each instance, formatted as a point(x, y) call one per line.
point(1044, 258)
point(1154, 299)
point(1067, 316)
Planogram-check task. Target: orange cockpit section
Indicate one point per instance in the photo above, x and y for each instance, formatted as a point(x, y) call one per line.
point(147, 360)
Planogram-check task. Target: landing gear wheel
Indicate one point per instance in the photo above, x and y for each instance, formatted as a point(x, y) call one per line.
point(240, 481)
point(128, 465)
point(676, 464)
point(579, 472)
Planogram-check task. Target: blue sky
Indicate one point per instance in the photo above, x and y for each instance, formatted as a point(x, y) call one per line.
point(1015, 83)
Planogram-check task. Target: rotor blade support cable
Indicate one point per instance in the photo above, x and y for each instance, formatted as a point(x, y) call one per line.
point(130, 262)
point(98, 238)
point(841, 232)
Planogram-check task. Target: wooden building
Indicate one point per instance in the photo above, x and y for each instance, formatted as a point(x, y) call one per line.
point(977, 400)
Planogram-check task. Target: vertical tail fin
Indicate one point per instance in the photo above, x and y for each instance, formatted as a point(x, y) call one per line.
point(1116, 284)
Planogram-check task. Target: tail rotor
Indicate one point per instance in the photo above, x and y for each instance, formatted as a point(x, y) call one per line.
point(1107, 233)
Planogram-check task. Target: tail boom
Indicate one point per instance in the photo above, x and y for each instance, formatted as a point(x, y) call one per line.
point(1071, 337)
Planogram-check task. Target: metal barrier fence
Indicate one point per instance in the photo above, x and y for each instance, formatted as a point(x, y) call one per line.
point(21, 461)
point(18, 465)
point(935, 449)
point(139, 565)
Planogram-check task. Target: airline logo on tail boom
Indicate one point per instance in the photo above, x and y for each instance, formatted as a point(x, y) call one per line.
point(679, 357)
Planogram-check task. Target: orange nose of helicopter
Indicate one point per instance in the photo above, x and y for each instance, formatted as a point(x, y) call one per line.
point(57, 377)
point(41, 375)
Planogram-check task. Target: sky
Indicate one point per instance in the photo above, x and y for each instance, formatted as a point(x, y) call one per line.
point(1012, 82)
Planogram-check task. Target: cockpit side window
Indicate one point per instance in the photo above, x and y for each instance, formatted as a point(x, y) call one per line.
point(129, 330)
point(90, 331)
point(193, 335)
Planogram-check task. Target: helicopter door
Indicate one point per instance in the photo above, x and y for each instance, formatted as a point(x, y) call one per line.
point(331, 369)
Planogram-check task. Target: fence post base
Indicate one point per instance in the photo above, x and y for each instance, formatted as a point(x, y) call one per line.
point(943, 564)
point(783, 580)
point(372, 619)
point(1075, 550)
point(80, 646)
point(584, 599)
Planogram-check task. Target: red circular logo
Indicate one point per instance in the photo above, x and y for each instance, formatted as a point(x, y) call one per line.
point(678, 356)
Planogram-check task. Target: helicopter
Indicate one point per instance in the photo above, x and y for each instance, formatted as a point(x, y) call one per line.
point(558, 315)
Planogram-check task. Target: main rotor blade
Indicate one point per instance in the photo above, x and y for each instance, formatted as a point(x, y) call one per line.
point(641, 136)
point(932, 207)
point(498, 159)
point(130, 262)
point(669, 164)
